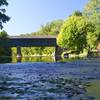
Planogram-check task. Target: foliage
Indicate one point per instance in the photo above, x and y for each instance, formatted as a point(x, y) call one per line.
point(92, 11)
point(77, 13)
point(92, 14)
point(3, 34)
point(4, 51)
point(51, 28)
point(91, 40)
point(73, 34)
point(93, 6)
point(30, 51)
point(3, 17)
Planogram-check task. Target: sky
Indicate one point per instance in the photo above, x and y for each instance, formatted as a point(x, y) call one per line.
point(28, 15)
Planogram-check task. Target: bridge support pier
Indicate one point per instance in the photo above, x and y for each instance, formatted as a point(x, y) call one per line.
point(58, 52)
point(19, 51)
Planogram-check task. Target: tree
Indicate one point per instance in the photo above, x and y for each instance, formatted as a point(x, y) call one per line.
point(93, 6)
point(73, 34)
point(91, 40)
point(77, 13)
point(92, 11)
point(4, 51)
point(3, 34)
point(92, 14)
point(3, 17)
point(51, 28)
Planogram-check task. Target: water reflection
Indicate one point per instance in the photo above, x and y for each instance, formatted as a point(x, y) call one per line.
point(5, 59)
point(36, 59)
point(27, 59)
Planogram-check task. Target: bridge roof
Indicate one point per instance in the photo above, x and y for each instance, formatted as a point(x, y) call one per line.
point(32, 37)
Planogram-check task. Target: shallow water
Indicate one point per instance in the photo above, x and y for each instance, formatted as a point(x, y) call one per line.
point(94, 89)
point(70, 80)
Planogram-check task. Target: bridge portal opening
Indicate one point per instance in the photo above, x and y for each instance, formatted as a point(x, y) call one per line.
point(33, 51)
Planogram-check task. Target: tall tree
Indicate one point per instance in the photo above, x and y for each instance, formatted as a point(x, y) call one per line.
point(92, 11)
point(73, 34)
point(3, 34)
point(51, 28)
point(92, 6)
point(3, 17)
point(92, 14)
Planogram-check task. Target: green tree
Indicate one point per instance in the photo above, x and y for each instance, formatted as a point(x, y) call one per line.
point(91, 40)
point(4, 51)
point(77, 13)
point(3, 17)
point(73, 35)
point(3, 34)
point(92, 14)
point(51, 28)
point(92, 11)
point(93, 6)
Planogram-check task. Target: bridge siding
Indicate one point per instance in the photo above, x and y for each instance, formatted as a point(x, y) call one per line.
point(28, 42)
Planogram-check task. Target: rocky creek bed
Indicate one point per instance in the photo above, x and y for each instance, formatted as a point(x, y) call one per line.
point(48, 81)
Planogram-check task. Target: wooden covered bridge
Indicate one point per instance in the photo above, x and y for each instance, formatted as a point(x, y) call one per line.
point(36, 41)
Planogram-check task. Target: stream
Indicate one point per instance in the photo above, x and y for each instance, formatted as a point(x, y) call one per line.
point(77, 79)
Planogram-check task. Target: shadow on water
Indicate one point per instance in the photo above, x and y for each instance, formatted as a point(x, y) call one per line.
point(27, 59)
point(36, 59)
point(5, 59)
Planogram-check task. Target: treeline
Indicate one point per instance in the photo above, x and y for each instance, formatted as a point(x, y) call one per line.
point(3, 19)
point(79, 33)
point(4, 51)
point(51, 29)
